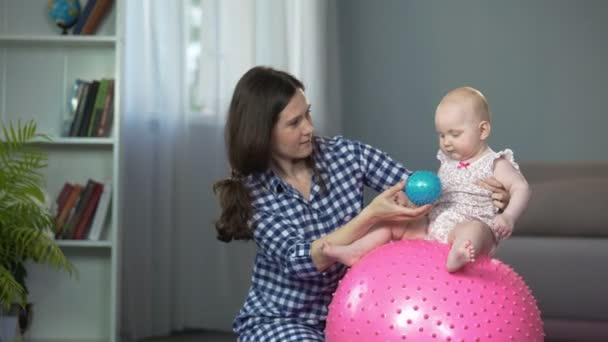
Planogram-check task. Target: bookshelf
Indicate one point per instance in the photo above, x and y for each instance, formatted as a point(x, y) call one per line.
point(38, 67)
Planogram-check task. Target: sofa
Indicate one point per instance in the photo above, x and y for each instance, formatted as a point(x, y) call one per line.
point(560, 247)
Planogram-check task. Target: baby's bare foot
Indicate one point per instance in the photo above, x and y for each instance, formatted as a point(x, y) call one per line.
point(460, 255)
point(344, 254)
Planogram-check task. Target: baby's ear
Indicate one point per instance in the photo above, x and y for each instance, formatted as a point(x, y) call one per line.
point(484, 130)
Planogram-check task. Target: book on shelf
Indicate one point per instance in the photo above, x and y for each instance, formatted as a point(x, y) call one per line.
point(100, 10)
point(91, 16)
point(102, 93)
point(85, 12)
point(91, 109)
point(65, 210)
point(86, 209)
point(73, 99)
point(79, 113)
point(101, 214)
point(81, 230)
point(77, 211)
point(104, 126)
point(88, 109)
point(62, 198)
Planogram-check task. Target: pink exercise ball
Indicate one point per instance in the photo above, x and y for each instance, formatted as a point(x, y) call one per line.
point(402, 291)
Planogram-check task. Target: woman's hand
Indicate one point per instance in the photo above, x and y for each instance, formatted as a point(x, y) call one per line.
point(390, 206)
point(386, 207)
point(500, 195)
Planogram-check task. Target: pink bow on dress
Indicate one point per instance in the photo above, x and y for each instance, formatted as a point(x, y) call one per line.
point(463, 165)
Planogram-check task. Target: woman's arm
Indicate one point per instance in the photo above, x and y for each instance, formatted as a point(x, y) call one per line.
point(280, 240)
point(382, 208)
point(500, 195)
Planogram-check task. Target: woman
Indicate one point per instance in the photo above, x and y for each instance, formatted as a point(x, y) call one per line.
point(291, 191)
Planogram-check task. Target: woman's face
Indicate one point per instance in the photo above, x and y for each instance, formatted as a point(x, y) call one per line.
point(292, 134)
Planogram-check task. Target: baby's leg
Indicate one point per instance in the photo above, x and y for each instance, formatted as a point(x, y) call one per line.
point(415, 230)
point(469, 239)
point(350, 254)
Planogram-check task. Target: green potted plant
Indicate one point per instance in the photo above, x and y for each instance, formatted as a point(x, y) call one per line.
point(26, 223)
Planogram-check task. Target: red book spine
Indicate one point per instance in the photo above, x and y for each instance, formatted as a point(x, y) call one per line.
point(100, 9)
point(81, 229)
point(63, 197)
point(67, 208)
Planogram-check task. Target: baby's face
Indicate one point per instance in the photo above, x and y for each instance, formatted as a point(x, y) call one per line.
point(459, 131)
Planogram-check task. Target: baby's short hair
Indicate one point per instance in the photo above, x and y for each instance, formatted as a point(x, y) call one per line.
point(473, 97)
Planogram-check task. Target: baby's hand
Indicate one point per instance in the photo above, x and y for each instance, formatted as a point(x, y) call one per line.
point(503, 226)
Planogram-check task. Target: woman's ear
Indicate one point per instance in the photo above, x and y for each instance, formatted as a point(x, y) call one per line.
point(484, 130)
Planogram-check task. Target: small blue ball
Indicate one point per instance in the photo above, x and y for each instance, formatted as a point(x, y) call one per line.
point(423, 187)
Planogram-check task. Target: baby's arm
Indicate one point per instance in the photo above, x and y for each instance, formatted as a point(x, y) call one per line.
point(518, 189)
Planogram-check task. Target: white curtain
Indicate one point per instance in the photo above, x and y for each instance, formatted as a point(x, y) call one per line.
point(181, 61)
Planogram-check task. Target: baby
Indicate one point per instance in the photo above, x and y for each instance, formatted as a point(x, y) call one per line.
point(464, 215)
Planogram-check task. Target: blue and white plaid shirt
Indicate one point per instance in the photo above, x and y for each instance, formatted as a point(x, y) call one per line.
point(286, 286)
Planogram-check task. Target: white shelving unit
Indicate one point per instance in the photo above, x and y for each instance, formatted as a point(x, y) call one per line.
point(37, 69)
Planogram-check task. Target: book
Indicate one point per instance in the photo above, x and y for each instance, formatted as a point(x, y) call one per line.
point(65, 192)
point(97, 110)
point(104, 128)
point(67, 208)
point(84, 16)
point(77, 210)
point(81, 229)
point(82, 95)
point(100, 10)
point(101, 214)
point(88, 109)
point(72, 106)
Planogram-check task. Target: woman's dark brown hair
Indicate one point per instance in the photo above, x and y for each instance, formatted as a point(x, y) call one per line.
point(259, 97)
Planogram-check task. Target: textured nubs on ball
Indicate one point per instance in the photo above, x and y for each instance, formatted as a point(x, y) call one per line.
point(402, 291)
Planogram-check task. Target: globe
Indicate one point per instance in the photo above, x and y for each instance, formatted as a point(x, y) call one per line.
point(64, 13)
